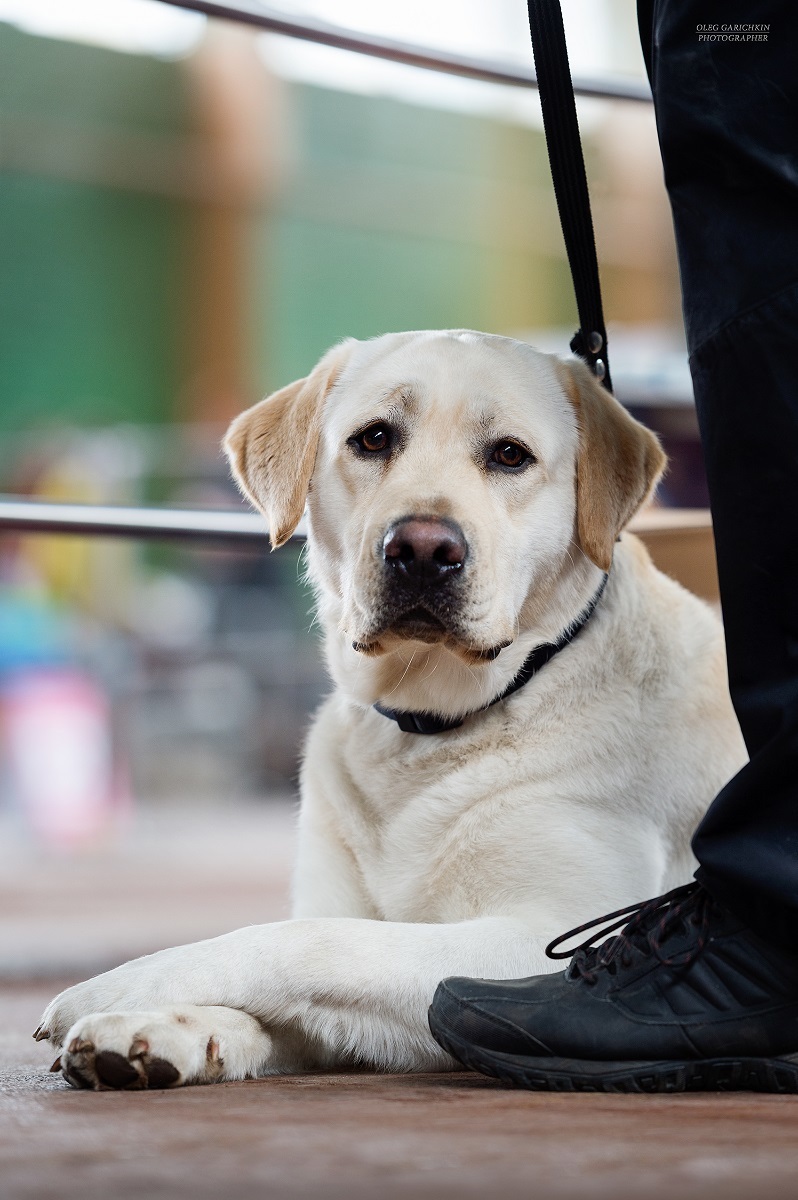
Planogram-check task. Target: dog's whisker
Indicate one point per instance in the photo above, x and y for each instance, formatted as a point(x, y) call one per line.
point(435, 664)
point(399, 682)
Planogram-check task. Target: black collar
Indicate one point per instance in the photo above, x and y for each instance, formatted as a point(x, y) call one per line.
point(425, 722)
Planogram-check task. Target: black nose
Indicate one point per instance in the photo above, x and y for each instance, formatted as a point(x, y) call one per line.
point(425, 549)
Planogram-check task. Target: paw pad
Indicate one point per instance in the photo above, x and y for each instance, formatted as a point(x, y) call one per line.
point(83, 1066)
point(115, 1071)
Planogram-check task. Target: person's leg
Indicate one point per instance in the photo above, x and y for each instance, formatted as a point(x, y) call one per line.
point(727, 115)
point(700, 990)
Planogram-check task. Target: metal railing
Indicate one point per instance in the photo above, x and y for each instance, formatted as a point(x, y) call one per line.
point(116, 520)
point(94, 520)
point(487, 70)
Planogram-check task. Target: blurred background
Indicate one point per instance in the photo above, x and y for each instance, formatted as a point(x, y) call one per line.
point(190, 214)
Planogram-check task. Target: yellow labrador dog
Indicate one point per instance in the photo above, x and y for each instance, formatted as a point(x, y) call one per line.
point(526, 724)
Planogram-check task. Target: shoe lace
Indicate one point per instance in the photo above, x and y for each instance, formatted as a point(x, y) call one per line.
point(652, 922)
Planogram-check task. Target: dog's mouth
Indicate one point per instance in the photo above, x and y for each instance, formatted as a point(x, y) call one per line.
point(421, 624)
point(417, 623)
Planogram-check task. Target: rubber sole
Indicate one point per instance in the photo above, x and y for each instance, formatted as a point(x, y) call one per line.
point(576, 1075)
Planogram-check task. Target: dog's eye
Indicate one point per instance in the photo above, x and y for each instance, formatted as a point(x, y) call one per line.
point(510, 455)
point(374, 440)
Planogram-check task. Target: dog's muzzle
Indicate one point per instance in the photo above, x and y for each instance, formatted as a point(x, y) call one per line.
point(423, 567)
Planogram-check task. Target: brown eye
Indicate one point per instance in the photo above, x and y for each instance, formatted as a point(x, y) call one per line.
point(510, 454)
point(375, 439)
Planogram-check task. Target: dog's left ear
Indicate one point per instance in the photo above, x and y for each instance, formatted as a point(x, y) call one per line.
point(619, 462)
point(272, 446)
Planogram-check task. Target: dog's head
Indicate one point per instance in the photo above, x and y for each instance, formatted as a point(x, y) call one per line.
point(453, 480)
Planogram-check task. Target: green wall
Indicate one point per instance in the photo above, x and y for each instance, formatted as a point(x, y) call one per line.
point(398, 217)
point(89, 275)
point(87, 304)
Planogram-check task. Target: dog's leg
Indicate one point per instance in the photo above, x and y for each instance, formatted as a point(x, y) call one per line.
point(353, 990)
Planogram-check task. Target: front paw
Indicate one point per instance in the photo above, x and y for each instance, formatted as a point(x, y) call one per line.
point(137, 1050)
point(72, 1004)
point(136, 986)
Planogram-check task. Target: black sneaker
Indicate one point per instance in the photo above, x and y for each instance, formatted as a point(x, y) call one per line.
point(685, 998)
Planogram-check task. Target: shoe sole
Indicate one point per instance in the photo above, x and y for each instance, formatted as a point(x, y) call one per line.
point(581, 1075)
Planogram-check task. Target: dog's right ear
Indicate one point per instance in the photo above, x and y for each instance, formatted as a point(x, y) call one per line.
point(272, 446)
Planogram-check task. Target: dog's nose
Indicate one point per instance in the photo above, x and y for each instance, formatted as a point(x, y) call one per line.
point(426, 549)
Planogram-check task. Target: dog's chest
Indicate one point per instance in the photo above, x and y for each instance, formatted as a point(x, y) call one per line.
point(418, 825)
point(394, 832)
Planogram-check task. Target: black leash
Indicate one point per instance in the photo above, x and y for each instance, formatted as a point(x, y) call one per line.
point(570, 181)
point(427, 722)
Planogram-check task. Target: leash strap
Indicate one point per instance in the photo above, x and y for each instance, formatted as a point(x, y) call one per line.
point(570, 181)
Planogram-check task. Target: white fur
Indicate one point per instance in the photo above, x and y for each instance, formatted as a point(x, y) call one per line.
point(462, 853)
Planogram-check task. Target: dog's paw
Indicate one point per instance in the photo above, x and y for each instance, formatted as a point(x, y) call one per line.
point(163, 1048)
point(107, 993)
point(132, 1051)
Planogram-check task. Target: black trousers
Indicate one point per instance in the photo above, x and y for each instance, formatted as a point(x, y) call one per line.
point(727, 117)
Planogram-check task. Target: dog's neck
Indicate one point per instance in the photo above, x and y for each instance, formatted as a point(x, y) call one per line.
point(432, 678)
